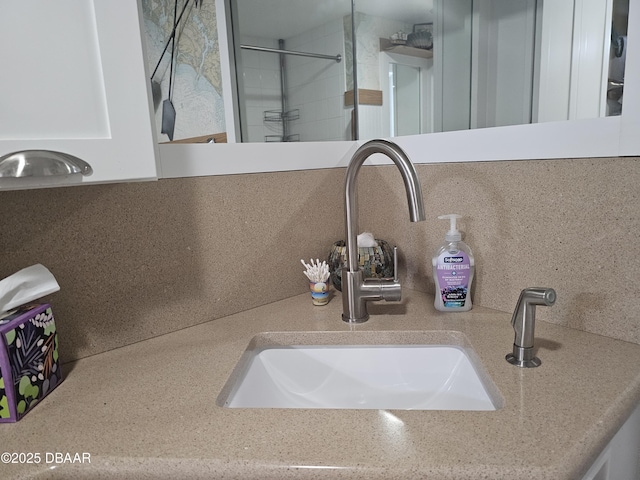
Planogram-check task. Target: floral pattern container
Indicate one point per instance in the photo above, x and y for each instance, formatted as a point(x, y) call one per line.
point(29, 367)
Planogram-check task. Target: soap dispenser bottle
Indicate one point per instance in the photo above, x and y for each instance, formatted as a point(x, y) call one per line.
point(453, 268)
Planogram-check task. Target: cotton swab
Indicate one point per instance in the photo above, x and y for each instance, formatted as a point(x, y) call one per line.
point(316, 272)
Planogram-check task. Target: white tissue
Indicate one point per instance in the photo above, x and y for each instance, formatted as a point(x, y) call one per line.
point(25, 286)
point(365, 240)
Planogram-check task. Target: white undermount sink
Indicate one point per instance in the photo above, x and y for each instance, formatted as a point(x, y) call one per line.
point(366, 376)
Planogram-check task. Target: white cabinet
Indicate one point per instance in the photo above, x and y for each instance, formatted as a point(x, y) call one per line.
point(620, 460)
point(73, 80)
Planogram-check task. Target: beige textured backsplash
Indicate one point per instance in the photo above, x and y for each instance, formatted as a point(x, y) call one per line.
point(139, 260)
point(572, 225)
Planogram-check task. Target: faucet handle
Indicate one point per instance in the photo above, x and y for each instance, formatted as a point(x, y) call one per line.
point(395, 264)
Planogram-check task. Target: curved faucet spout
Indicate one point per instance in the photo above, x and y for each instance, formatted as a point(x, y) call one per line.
point(409, 177)
point(355, 292)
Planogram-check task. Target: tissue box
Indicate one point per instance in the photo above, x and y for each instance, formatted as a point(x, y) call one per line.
point(29, 367)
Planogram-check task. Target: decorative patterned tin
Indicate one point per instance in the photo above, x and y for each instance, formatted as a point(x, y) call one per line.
point(376, 262)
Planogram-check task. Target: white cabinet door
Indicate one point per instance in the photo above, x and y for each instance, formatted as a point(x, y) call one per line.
point(620, 460)
point(72, 79)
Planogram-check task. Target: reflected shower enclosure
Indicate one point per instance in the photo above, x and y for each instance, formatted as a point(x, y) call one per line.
point(290, 76)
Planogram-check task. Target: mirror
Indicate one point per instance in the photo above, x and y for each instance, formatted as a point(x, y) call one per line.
point(291, 70)
point(465, 43)
point(492, 64)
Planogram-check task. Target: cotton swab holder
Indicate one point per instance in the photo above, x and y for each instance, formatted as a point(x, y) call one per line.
point(318, 275)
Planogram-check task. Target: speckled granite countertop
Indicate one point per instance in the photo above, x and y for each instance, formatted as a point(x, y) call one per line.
point(149, 410)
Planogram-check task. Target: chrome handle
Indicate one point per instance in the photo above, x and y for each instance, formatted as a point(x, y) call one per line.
point(395, 264)
point(41, 163)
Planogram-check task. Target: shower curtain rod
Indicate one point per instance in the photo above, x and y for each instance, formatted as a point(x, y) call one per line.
point(337, 58)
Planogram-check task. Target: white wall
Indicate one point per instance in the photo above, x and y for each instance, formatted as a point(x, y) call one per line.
point(502, 83)
point(452, 65)
point(516, 78)
point(259, 75)
point(426, 88)
point(573, 63)
point(316, 86)
point(369, 30)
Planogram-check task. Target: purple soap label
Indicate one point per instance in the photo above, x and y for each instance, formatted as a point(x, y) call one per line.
point(453, 277)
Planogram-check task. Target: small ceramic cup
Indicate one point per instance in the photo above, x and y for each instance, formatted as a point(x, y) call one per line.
point(319, 292)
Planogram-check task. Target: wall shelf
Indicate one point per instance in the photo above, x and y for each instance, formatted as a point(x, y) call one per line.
point(387, 46)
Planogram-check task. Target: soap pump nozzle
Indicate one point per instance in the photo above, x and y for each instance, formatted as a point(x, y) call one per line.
point(453, 235)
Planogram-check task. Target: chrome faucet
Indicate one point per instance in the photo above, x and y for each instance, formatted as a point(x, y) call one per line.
point(524, 322)
point(356, 290)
